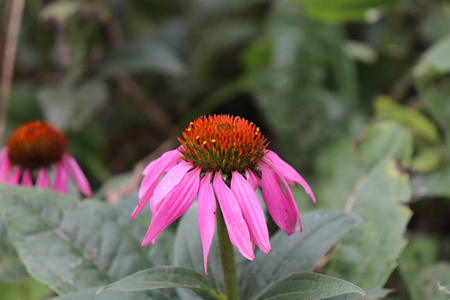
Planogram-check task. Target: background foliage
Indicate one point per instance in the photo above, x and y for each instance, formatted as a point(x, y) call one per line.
point(354, 93)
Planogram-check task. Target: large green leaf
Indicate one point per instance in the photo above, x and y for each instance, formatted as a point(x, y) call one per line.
point(66, 244)
point(162, 253)
point(308, 286)
point(91, 294)
point(369, 255)
point(163, 277)
point(189, 253)
point(298, 252)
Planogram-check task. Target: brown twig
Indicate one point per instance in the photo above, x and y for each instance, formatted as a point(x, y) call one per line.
point(115, 195)
point(9, 55)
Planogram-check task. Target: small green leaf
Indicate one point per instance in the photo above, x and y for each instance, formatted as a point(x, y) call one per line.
point(435, 59)
point(297, 252)
point(420, 253)
point(411, 118)
point(163, 277)
point(432, 283)
point(309, 286)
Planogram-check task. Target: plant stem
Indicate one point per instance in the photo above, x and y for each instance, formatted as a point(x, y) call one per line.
point(227, 258)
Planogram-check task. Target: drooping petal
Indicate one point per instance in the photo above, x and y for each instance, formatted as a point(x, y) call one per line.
point(152, 174)
point(74, 171)
point(287, 190)
point(5, 165)
point(289, 173)
point(174, 205)
point(236, 225)
point(206, 215)
point(251, 178)
point(251, 211)
point(15, 176)
point(280, 208)
point(165, 161)
point(61, 178)
point(170, 180)
point(42, 179)
point(27, 181)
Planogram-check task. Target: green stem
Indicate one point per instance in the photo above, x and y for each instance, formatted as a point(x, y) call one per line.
point(227, 258)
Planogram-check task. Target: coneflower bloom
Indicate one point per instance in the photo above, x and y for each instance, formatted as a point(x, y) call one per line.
point(34, 151)
point(222, 158)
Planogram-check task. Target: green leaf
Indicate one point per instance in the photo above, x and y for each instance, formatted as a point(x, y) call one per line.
point(435, 60)
point(163, 277)
point(66, 244)
point(12, 269)
point(385, 139)
point(411, 118)
point(420, 253)
point(91, 294)
point(298, 252)
point(432, 283)
point(189, 253)
point(162, 253)
point(310, 286)
point(433, 184)
point(340, 11)
point(339, 168)
point(369, 255)
point(29, 289)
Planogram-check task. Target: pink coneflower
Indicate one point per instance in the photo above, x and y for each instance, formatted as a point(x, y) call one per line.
point(34, 149)
point(222, 158)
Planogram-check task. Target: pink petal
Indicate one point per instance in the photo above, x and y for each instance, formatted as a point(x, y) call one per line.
point(251, 210)
point(27, 181)
point(288, 192)
point(152, 173)
point(236, 225)
point(15, 176)
point(251, 178)
point(5, 165)
point(175, 204)
point(42, 179)
point(289, 173)
point(170, 180)
point(61, 178)
point(168, 158)
point(74, 171)
point(279, 206)
point(206, 215)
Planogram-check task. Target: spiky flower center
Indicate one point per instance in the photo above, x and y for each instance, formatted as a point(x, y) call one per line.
point(36, 144)
point(223, 142)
